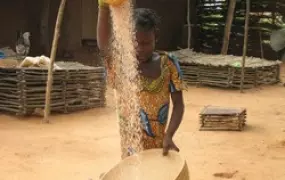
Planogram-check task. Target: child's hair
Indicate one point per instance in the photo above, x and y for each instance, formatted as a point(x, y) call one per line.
point(145, 19)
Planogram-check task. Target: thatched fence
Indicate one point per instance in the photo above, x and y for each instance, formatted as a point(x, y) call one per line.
point(74, 87)
point(209, 17)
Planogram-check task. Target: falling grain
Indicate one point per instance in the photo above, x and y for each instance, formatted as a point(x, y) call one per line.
point(126, 77)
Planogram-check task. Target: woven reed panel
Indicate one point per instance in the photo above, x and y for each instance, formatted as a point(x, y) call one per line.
point(220, 118)
point(75, 87)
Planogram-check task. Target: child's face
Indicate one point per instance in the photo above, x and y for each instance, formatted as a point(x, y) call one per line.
point(145, 45)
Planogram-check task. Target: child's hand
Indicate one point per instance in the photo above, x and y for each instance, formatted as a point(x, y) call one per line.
point(168, 144)
point(101, 3)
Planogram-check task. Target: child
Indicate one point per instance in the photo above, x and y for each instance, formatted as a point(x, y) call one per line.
point(160, 78)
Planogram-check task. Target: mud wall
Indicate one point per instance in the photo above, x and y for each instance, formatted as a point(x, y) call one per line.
point(80, 22)
point(19, 15)
point(173, 15)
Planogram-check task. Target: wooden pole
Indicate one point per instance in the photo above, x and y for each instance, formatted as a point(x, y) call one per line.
point(261, 43)
point(52, 58)
point(189, 24)
point(228, 27)
point(245, 43)
point(260, 38)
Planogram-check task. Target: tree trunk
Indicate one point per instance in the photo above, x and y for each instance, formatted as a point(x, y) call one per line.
point(52, 58)
point(245, 43)
point(228, 27)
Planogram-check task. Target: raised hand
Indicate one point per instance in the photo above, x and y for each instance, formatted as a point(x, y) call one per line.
point(101, 3)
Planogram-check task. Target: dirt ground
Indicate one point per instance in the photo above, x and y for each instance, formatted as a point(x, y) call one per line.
point(85, 144)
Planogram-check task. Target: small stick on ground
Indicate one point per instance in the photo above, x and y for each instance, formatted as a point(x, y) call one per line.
point(52, 58)
point(225, 175)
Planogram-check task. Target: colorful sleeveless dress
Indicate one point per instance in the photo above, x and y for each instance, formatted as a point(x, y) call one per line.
point(154, 99)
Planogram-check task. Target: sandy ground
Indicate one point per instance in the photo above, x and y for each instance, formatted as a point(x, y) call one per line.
point(83, 145)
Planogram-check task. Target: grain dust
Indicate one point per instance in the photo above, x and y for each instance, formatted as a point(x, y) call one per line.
point(127, 88)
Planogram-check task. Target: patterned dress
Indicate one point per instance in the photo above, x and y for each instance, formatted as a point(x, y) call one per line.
point(154, 99)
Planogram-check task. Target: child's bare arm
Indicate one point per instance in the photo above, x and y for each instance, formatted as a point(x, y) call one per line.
point(177, 113)
point(103, 28)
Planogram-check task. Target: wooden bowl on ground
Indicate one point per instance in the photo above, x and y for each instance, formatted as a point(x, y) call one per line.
point(150, 165)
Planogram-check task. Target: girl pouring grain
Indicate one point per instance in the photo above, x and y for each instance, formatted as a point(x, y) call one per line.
point(159, 79)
